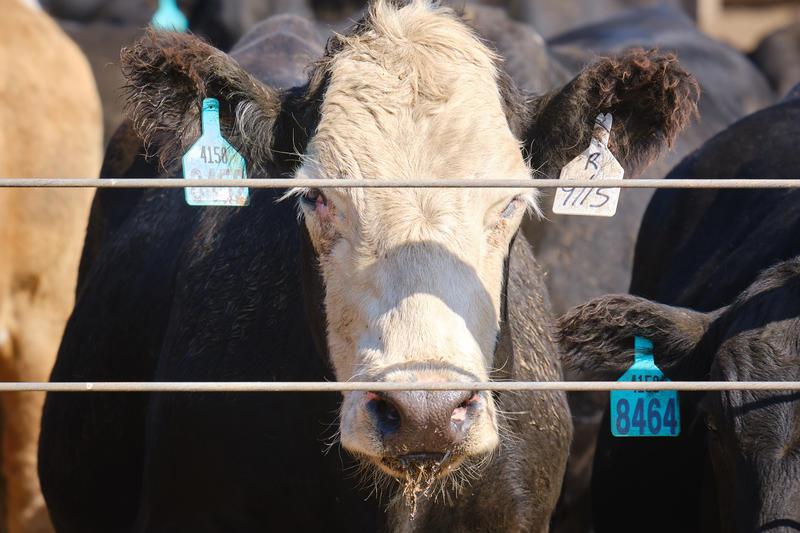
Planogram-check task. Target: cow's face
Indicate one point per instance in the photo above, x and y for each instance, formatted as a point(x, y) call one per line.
point(753, 436)
point(413, 278)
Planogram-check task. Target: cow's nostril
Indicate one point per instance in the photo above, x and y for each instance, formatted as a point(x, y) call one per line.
point(462, 412)
point(386, 415)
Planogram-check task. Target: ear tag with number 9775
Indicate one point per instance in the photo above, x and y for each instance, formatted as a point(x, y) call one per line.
point(644, 413)
point(596, 163)
point(212, 157)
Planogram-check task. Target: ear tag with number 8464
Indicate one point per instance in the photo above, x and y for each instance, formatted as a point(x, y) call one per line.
point(596, 163)
point(644, 413)
point(212, 157)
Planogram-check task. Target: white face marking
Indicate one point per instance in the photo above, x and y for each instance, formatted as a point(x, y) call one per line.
point(413, 276)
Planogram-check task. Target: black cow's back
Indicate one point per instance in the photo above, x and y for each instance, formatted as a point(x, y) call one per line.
point(702, 248)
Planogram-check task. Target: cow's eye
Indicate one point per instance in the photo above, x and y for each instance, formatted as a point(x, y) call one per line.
point(315, 199)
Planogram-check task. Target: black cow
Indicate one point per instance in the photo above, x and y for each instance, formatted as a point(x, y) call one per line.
point(169, 292)
point(221, 22)
point(554, 18)
point(103, 27)
point(778, 57)
point(717, 281)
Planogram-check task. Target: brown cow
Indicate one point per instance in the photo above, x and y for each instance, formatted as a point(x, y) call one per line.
point(49, 127)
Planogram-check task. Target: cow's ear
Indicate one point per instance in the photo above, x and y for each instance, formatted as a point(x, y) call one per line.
point(167, 77)
point(651, 97)
point(598, 336)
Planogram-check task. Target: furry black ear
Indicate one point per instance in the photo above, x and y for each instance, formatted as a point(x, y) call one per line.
point(167, 77)
point(651, 97)
point(598, 336)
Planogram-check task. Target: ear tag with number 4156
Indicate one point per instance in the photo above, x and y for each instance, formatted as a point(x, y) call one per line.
point(596, 163)
point(644, 413)
point(212, 157)
point(169, 18)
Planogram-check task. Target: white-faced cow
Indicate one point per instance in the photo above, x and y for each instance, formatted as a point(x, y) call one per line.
point(422, 285)
point(717, 279)
point(49, 127)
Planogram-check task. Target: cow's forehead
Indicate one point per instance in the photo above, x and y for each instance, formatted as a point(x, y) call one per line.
point(414, 95)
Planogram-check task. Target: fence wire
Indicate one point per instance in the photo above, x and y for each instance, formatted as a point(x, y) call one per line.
point(498, 386)
point(289, 183)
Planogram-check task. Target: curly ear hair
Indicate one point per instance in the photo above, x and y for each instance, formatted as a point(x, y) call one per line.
point(650, 95)
point(167, 77)
point(598, 336)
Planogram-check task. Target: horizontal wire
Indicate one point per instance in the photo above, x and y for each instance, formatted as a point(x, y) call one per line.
point(532, 386)
point(288, 183)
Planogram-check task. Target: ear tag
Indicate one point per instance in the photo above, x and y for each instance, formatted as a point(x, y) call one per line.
point(169, 18)
point(596, 163)
point(212, 157)
point(644, 413)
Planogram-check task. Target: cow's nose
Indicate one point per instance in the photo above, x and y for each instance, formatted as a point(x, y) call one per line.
point(422, 422)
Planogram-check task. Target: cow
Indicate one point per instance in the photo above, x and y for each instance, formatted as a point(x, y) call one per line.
point(49, 127)
point(103, 28)
point(556, 18)
point(387, 285)
point(715, 287)
point(778, 57)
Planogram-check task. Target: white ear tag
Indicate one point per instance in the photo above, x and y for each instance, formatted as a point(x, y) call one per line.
point(596, 163)
point(212, 157)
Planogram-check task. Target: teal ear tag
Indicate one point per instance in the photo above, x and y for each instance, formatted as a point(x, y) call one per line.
point(644, 413)
point(169, 18)
point(212, 157)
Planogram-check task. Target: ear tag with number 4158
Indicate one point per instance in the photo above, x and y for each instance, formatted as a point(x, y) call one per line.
point(596, 163)
point(169, 18)
point(644, 413)
point(212, 157)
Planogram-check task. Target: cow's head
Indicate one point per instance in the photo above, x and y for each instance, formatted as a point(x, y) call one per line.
point(753, 436)
point(412, 280)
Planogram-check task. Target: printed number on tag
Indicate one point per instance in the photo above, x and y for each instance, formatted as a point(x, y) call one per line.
point(644, 413)
point(596, 163)
point(212, 157)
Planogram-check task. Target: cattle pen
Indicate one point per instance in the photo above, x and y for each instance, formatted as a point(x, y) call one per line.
point(497, 386)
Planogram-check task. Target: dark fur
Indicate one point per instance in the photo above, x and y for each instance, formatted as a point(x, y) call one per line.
point(596, 337)
point(650, 95)
point(706, 250)
point(778, 57)
point(168, 75)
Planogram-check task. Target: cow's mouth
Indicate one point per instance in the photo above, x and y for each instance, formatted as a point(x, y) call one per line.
point(435, 465)
point(418, 473)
